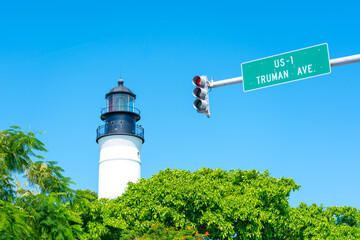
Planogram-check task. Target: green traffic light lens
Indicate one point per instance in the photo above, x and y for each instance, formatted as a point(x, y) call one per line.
point(200, 105)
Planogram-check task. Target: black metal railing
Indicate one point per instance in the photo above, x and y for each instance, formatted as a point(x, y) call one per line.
point(119, 129)
point(116, 108)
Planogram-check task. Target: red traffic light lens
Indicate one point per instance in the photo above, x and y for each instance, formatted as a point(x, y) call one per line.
point(197, 81)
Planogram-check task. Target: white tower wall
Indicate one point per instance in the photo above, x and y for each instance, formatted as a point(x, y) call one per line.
point(119, 164)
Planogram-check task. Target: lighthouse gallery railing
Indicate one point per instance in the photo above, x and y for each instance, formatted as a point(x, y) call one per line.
point(114, 129)
point(118, 108)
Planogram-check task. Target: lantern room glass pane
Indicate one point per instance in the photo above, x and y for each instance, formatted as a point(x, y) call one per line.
point(120, 102)
point(110, 105)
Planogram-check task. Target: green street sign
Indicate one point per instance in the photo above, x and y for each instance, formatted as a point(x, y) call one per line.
point(286, 67)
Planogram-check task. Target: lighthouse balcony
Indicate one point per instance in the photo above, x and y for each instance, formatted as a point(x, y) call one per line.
point(119, 129)
point(120, 109)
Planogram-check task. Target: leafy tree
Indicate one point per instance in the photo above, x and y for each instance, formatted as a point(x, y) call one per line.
point(17, 148)
point(159, 231)
point(318, 222)
point(7, 185)
point(46, 177)
point(87, 207)
point(51, 218)
point(226, 204)
point(13, 222)
point(25, 214)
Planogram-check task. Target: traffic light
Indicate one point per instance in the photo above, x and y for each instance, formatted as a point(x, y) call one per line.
point(201, 92)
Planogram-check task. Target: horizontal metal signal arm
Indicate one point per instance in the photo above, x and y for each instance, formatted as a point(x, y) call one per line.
point(226, 82)
point(333, 63)
point(345, 60)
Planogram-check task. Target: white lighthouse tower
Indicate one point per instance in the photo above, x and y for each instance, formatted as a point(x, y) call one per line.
point(120, 140)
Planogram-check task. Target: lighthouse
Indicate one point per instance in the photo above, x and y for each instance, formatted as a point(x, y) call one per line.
point(120, 140)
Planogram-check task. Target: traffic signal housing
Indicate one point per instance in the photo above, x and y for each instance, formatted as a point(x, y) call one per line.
point(201, 92)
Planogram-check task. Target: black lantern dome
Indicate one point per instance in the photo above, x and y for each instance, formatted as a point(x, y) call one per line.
point(120, 114)
point(120, 89)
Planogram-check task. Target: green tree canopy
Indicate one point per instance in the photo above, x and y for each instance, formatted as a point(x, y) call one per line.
point(218, 204)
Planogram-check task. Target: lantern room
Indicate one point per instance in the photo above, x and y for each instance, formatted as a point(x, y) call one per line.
point(120, 99)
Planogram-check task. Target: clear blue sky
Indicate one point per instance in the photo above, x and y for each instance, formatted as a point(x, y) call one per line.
point(59, 59)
